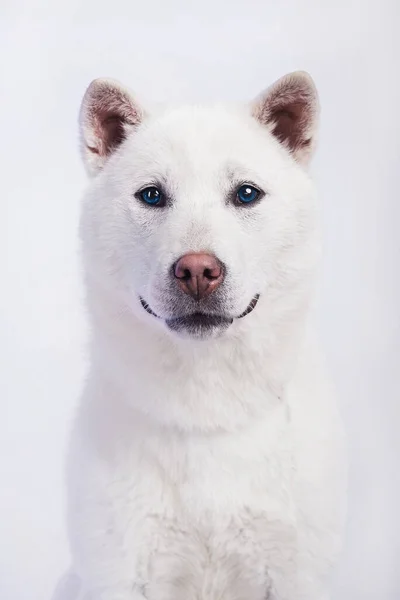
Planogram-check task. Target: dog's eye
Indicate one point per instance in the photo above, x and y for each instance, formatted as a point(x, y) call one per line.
point(152, 196)
point(247, 193)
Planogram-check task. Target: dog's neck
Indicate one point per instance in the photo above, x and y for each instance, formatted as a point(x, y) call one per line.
point(207, 385)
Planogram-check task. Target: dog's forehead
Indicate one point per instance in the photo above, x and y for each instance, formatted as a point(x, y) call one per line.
point(201, 144)
point(208, 123)
point(202, 138)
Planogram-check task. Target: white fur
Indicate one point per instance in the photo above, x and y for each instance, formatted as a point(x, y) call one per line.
point(203, 469)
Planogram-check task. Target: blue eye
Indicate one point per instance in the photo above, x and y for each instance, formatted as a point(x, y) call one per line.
point(247, 193)
point(152, 196)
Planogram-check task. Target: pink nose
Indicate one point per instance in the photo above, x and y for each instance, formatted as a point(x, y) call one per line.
point(199, 274)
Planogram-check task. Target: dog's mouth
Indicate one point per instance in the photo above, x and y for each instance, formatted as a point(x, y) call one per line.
point(147, 308)
point(201, 323)
point(250, 307)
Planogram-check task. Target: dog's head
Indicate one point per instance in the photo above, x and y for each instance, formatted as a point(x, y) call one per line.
point(197, 216)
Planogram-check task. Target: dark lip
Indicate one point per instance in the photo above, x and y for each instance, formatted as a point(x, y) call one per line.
point(147, 307)
point(250, 307)
point(198, 322)
point(203, 318)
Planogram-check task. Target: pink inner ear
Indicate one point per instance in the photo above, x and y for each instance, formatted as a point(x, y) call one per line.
point(109, 111)
point(113, 132)
point(109, 130)
point(289, 108)
point(290, 125)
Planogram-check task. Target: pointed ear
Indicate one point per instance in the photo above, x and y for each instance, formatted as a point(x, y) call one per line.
point(108, 112)
point(290, 109)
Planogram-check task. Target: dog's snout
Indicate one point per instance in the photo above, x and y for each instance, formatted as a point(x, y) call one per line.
point(198, 274)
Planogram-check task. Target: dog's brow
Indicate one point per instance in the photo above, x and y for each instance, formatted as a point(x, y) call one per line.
point(235, 173)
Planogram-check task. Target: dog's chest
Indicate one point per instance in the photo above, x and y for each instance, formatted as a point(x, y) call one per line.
point(212, 511)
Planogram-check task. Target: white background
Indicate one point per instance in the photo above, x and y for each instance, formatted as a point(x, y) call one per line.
point(220, 50)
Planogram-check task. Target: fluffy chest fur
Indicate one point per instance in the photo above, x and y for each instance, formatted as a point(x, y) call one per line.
point(219, 514)
point(208, 515)
point(207, 509)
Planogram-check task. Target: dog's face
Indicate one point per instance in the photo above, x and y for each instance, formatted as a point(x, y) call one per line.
point(195, 214)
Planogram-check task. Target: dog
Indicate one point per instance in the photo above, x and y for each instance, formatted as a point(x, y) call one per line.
point(207, 459)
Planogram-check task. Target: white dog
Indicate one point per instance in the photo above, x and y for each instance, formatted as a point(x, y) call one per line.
point(207, 457)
